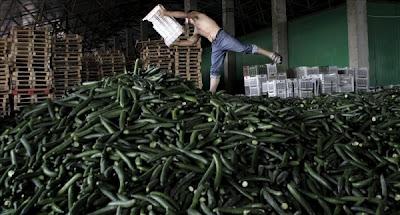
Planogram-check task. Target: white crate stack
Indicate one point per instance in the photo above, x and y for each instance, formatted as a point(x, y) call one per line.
point(272, 71)
point(361, 78)
point(346, 80)
point(252, 81)
point(275, 88)
point(308, 88)
point(308, 81)
point(329, 83)
point(292, 88)
point(329, 79)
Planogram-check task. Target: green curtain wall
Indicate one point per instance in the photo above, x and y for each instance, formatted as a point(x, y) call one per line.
point(319, 39)
point(384, 43)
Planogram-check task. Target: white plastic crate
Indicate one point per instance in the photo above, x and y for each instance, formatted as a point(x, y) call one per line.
point(253, 91)
point(253, 85)
point(272, 71)
point(282, 76)
point(308, 85)
point(292, 88)
point(362, 73)
point(329, 83)
point(306, 94)
point(275, 88)
point(329, 89)
point(252, 81)
point(362, 82)
point(361, 85)
point(361, 77)
point(305, 72)
point(300, 72)
point(346, 83)
point(328, 69)
point(313, 70)
point(166, 26)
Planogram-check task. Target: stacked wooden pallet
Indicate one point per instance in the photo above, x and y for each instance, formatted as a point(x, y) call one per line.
point(30, 64)
point(156, 53)
point(67, 62)
point(4, 79)
point(91, 69)
point(188, 60)
point(111, 63)
point(130, 63)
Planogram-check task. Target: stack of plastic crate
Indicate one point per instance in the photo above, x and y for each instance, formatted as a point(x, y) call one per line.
point(329, 83)
point(308, 88)
point(346, 80)
point(281, 76)
point(305, 72)
point(292, 89)
point(275, 88)
point(361, 78)
point(4, 80)
point(32, 79)
point(329, 79)
point(261, 72)
point(272, 71)
point(252, 82)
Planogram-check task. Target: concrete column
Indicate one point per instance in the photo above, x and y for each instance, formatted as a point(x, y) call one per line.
point(190, 5)
point(280, 30)
point(144, 30)
point(228, 20)
point(358, 33)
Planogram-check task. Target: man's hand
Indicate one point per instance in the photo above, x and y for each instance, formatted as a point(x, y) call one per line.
point(163, 11)
point(276, 58)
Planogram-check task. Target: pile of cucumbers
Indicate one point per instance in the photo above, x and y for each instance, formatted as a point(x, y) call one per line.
point(150, 143)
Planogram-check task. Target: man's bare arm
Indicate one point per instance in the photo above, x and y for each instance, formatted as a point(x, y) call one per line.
point(189, 42)
point(176, 14)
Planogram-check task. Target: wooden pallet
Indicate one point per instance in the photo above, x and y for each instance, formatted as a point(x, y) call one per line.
point(3, 47)
point(67, 62)
point(30, 58)
point(188, 63)
point(4, 74)
point(112, 63)
point(4, 104)
point(23, 100)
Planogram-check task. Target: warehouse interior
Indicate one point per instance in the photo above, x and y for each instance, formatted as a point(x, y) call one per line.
point(312, 27)
point(102, 112)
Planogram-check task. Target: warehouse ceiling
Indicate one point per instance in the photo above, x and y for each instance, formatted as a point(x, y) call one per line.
point(100, 20)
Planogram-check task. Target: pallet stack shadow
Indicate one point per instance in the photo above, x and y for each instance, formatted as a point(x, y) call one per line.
point(91, 68)
point(156, 53)
point(31, 75)
point(111, 63)
point(188, 60)
point(4, 80)
point(67, 62)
